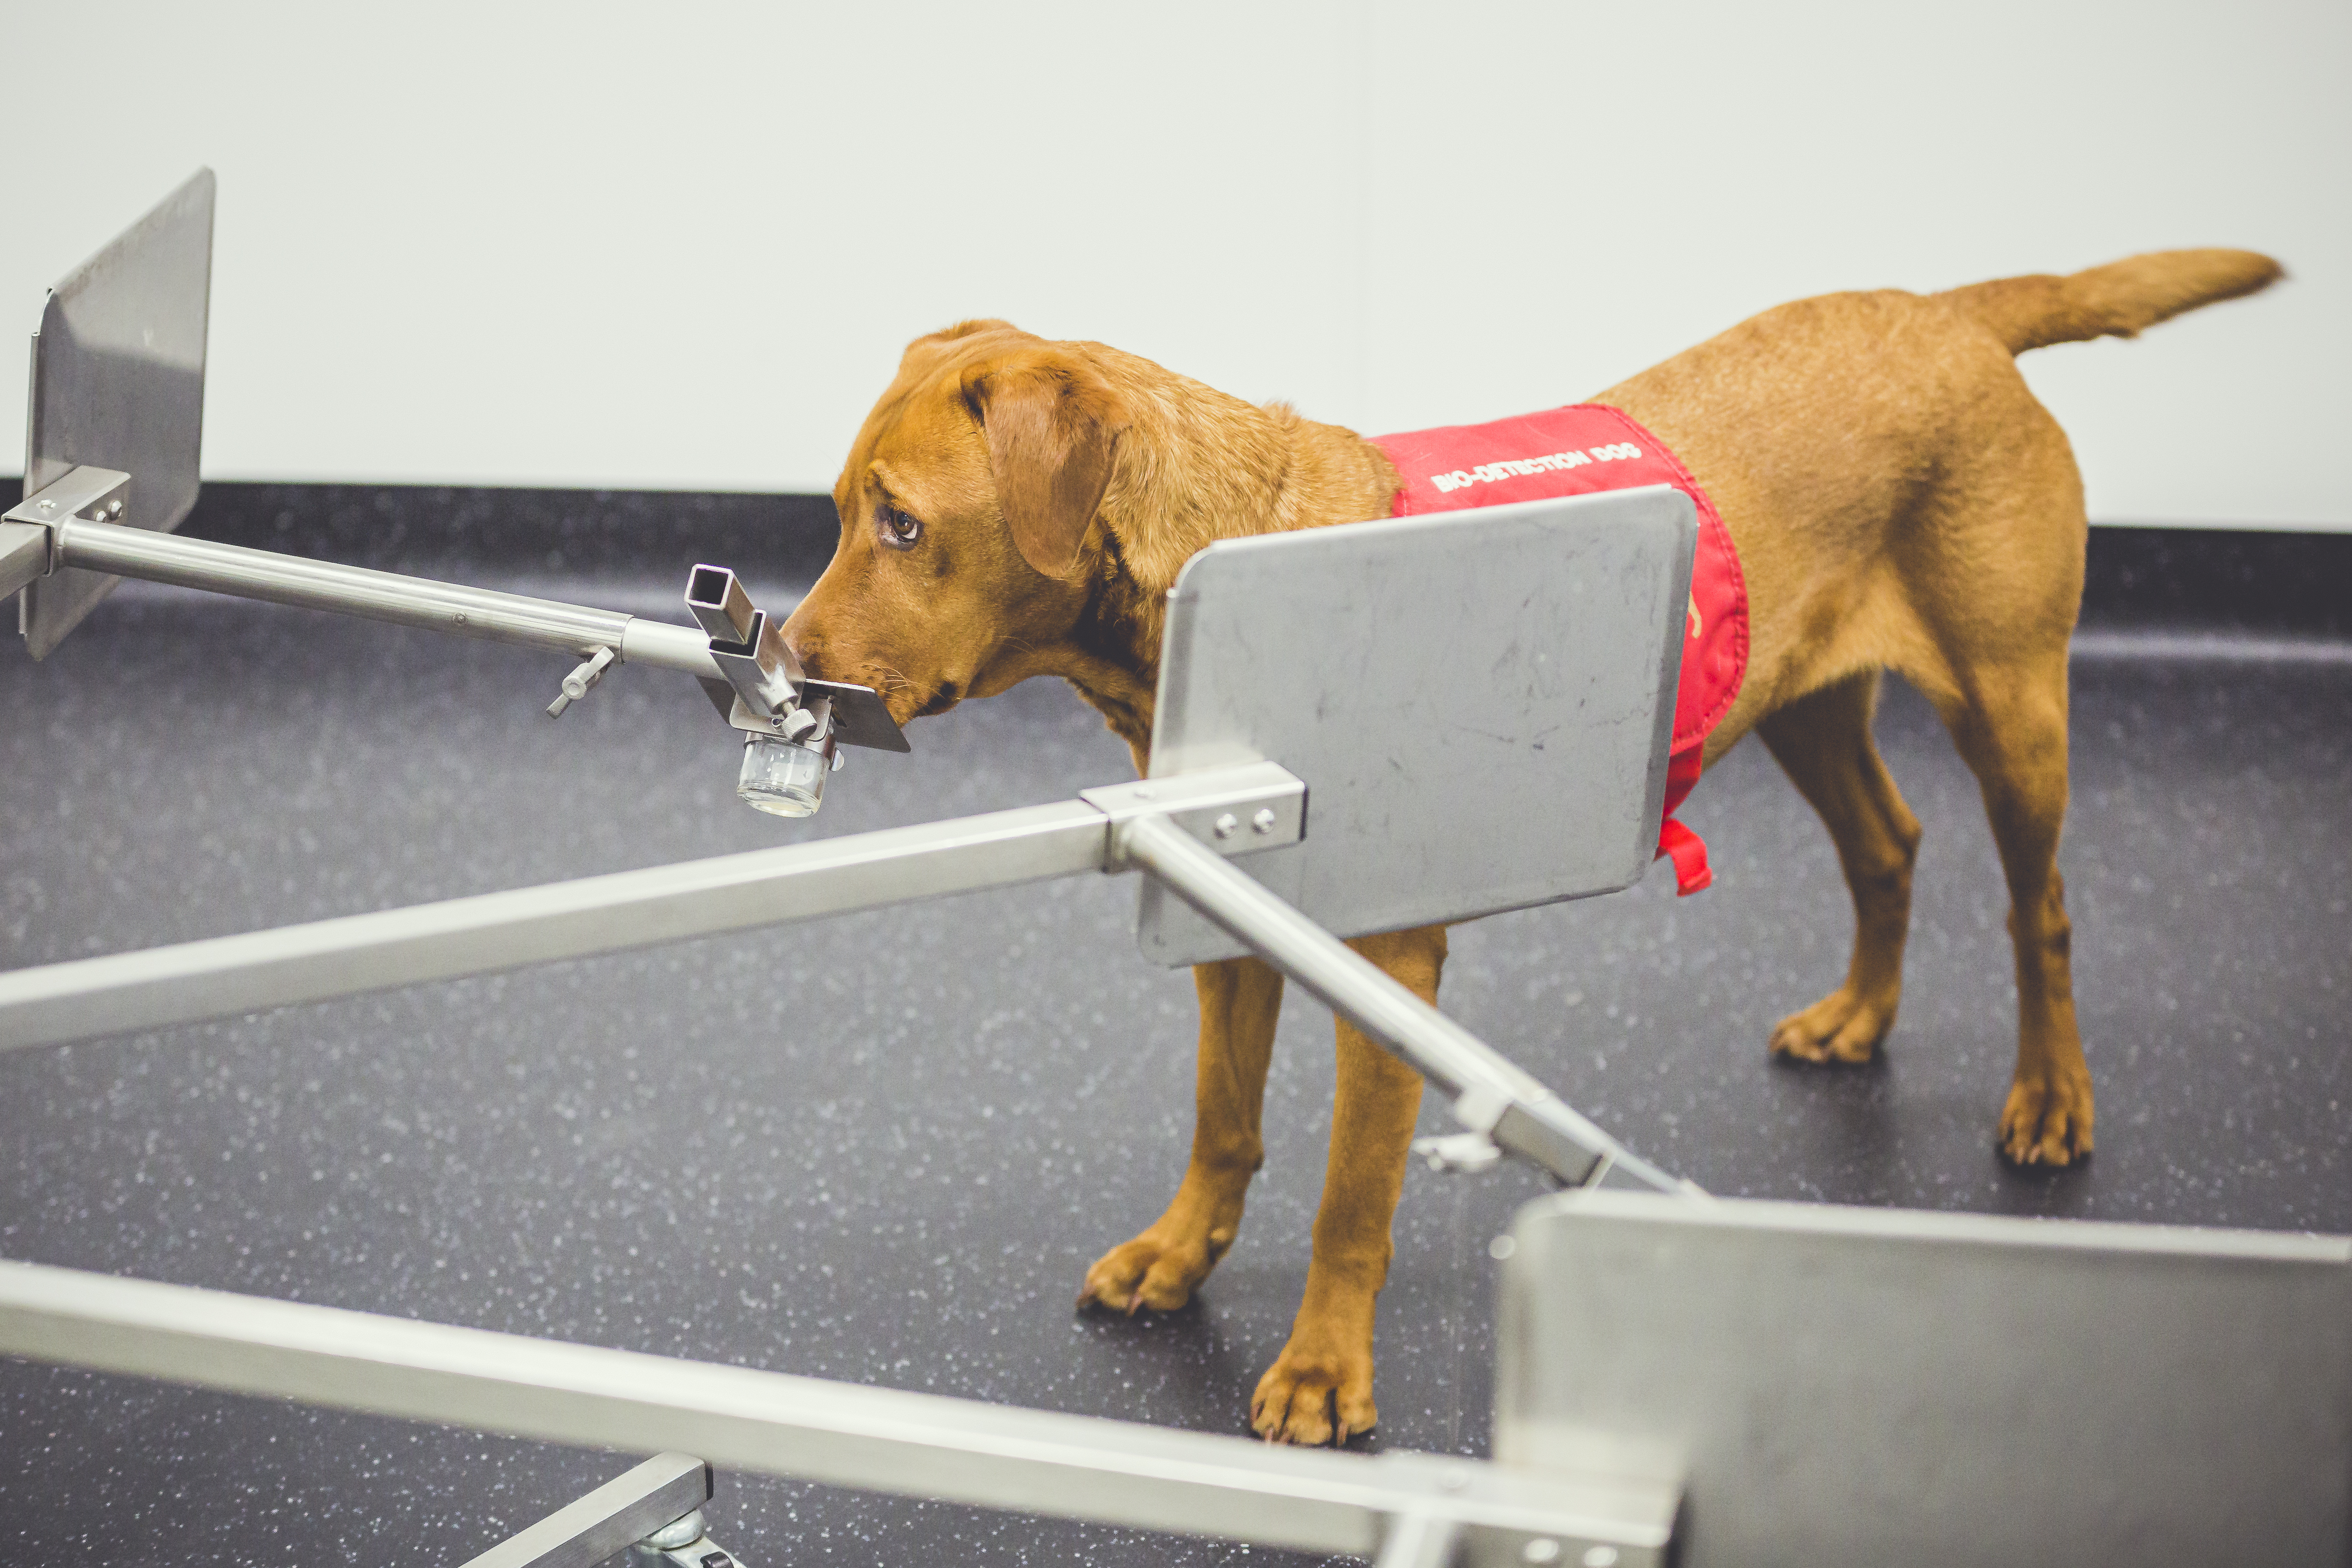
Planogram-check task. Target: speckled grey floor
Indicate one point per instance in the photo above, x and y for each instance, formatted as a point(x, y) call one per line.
point(883, 1148)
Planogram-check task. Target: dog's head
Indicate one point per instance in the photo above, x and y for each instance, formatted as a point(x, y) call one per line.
point(965, 508)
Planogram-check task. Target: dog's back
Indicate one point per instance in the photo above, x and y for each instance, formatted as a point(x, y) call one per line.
point(1888, 476)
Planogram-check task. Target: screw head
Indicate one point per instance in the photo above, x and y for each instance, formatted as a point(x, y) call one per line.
point(1262, 823)
point(48, 505)
point(1228, 825)
point(1542, 1549)
point(1601, 1557)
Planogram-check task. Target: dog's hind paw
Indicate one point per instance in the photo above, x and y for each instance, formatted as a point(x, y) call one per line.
point(2047, 1120)
point(1841, 1030)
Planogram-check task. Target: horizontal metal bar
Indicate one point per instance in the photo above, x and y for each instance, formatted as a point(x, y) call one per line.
point(876, 1439)
point(311, 584)
point(24, 555)
point(226, 976)
point(608, 1520)
point(1491, 1094)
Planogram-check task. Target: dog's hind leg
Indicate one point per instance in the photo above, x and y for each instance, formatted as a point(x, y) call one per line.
point(1319, 1389)
point(2010, 728)
point(1240, 1001)
point(1823, 742)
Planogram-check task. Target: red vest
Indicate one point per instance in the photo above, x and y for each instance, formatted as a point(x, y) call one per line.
point(1575, 451)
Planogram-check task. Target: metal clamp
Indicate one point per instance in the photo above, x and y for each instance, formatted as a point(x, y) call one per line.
point(750, 653)
point(1235, 811)
point(660, 1501)
point(1459, 1154)
point(27, 531)
point(578, 683)
point(767, 693)
point(681, 1545)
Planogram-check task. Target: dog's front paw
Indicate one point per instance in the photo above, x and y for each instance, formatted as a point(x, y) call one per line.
point(1318, 1390)
point(2047, 1120)
point(1842, 1028)
point(1157, 1270)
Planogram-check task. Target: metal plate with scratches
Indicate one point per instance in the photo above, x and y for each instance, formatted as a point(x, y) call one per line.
point(1480, 703)
point(118, 382)
point(1864, 1386)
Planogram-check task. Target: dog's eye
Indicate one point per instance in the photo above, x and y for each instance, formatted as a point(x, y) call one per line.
point(899, 529)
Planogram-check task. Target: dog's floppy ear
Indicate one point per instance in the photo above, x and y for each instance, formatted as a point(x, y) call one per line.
point(1052, 425)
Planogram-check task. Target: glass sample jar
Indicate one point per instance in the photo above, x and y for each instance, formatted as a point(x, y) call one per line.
point(784, 778)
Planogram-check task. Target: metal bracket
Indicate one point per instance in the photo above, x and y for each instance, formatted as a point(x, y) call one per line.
point(749, 653)
point(1235, 811)
point(653, 1502)
point(29, 528)
point(1459, 1154)
point(92, 495)
point(771, 694)
point(86, 495)
point(681, 1545)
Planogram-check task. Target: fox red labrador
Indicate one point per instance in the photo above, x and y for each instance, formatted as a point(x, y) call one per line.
point(1897, 499)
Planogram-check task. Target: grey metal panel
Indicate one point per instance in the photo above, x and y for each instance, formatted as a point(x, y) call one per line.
point(1479, 702)
point(1876, 1386)
point(118, 382)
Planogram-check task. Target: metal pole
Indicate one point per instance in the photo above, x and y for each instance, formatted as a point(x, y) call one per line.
point(24, 555)
point(878, 1439)
point(226, 976)
point(217, 568)
point(1491, 1095)
point(662, 1491)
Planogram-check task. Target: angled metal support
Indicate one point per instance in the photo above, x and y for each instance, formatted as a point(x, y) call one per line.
point(1493, 1097)
point(1183, 831)
point(666, 1491)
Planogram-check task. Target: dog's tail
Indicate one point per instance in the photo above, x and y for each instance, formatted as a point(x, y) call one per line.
point(2116, 300)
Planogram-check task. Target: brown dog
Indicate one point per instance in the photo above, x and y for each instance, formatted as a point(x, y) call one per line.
point(1016, 508)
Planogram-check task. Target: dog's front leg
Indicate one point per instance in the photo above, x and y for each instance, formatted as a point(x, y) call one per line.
point(1320, 1390)
point(1240, 1001)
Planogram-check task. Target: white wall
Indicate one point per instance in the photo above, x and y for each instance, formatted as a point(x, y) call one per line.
point(681, 246)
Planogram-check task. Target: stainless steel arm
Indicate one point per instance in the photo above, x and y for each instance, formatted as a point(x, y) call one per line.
point(222, 976)
point(879, 1439)
point(663, 1491)
point(1490, 1094)
point(24, 555)
point(226, 976)
point(389, 596)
